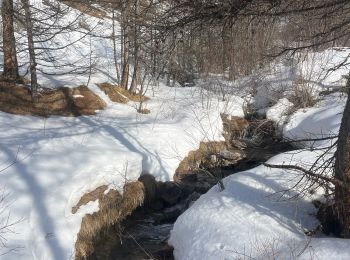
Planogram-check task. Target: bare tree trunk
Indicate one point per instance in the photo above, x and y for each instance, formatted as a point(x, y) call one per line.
point(32, 61)
point(9, 41)
point(134, 80)
point(115, 48)
point(342, 171)
point(125, 73)
point(125, 46)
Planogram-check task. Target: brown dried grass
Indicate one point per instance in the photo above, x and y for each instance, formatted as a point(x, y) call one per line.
point(62, 101)
point(85, 8)
point(144, 111)
point(112, 93)
point(132, 96)
point(91, 196)
point(114, 207)
point(120, 94)
point(195, 158)
point(234, 127)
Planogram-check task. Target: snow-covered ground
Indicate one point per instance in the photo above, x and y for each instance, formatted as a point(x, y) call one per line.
point(46, 165)
point(252, 218)
point(56, 160)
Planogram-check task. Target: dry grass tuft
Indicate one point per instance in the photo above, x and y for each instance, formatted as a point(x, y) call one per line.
point(194, 159)
point(85, 8)
point(114, 207)
point(234, 127)
point(132, 96)
point(121, 95)
point(151, 187)
point(91, 196)
point(112, 93)
point(144, 111)
point(62, 101)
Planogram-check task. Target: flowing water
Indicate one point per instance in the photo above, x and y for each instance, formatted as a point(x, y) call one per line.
point(144, 234)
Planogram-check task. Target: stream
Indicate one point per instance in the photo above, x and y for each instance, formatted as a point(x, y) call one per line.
point(144, 234)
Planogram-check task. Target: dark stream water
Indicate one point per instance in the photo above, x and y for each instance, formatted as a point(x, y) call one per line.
point(144, 234)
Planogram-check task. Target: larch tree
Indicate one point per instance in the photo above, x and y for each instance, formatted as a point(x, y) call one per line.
point(31, 49)
point(9, 42)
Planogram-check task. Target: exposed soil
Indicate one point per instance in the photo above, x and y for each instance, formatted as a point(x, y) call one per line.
point(17, 99)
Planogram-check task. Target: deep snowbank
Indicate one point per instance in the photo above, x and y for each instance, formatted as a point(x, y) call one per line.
point(251, 218)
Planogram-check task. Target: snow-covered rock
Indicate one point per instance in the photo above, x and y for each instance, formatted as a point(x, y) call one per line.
point(279, 112)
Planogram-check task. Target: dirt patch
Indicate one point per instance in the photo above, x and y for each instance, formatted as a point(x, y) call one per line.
point(240, 132)
point(121, 95)
point(16, 99)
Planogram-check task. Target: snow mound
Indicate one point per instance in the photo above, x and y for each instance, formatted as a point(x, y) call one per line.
point(259, 214)
point(279, 112)
point(322, 120)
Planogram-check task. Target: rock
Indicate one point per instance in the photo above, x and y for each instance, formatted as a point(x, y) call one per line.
point(213, 158)
point(170, 192)
point(150, 185)
point(231, 155)
point(191, 199)
point(157, 205)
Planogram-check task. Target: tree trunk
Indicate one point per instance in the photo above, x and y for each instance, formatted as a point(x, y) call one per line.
point(125, 45)
point(9, 42)
point(134, 80)
point(115, 48)
point(32, 61)
point(342, 171)
point(125, 73)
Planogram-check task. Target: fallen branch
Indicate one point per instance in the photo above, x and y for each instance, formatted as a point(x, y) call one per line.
point(307, 173)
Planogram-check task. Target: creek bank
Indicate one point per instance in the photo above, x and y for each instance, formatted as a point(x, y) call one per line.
point(143, 232)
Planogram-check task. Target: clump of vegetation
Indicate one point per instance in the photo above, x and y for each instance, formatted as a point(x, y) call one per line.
point(120, 95)
point(16, 99)
point(114, 207)
point(144, 111)
point(302, 95)
point(112, 93)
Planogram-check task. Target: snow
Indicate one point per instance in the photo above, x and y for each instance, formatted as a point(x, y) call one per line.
point(78, 96)
point(58, 159)
point(279, 112)
point(47, 164)
point(322, 120)
point(318, 67)
point(252, 218)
